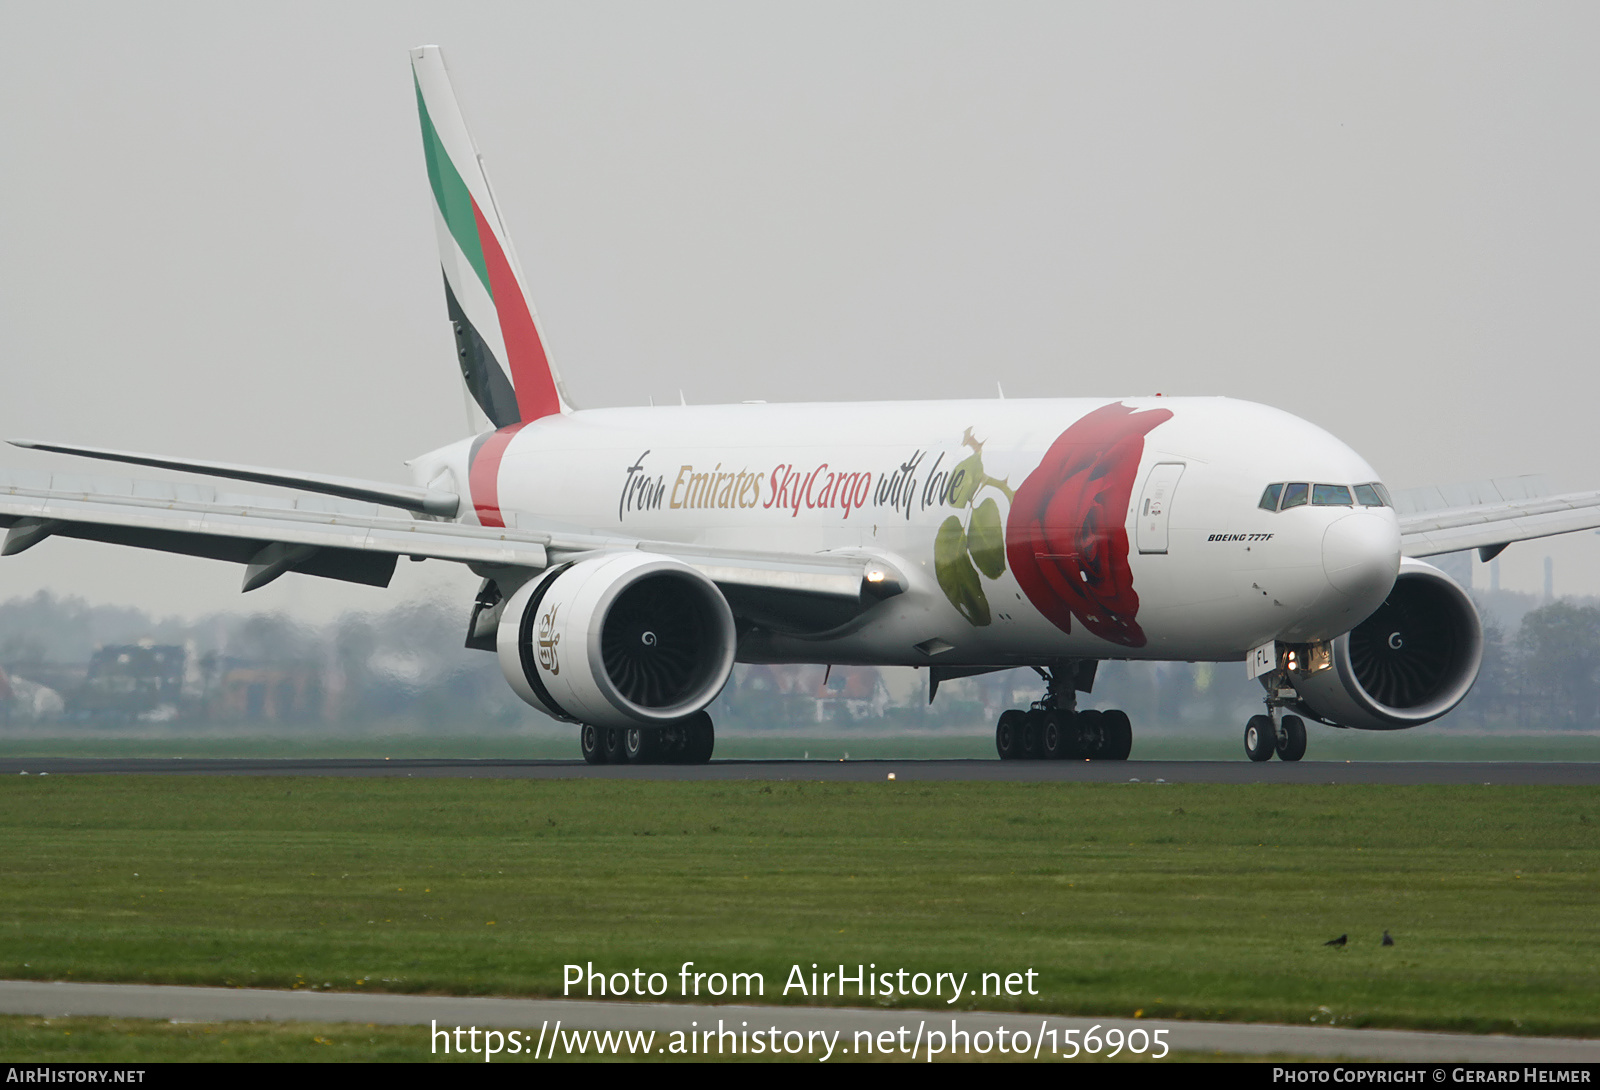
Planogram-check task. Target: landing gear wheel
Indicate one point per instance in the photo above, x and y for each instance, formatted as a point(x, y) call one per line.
point(699, 739)
point(674, 745)
point(1118, 735)
point(614, 740)
point(1032, 747)
point(645, 745)
point(589, 742)
point(1008, 734)
point(1292, 746)
point(1058, 735)
point(1091, 736)
point(1260, 740)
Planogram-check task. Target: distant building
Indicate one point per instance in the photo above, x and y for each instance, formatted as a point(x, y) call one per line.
point(795, 695)
point(279, 694)
point(851, 692)
point(126, 681)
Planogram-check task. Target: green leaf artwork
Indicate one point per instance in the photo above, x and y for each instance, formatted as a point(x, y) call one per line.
point(963, 549)
point(986, 541)
point(957, 577)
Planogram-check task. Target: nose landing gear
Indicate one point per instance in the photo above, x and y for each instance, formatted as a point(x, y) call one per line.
point(1054, 729)
point(1275, 732)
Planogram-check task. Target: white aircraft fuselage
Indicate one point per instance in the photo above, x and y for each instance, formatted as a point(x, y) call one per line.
point(1208, 575)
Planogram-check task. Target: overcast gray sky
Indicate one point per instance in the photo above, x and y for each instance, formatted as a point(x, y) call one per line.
point(216, 238)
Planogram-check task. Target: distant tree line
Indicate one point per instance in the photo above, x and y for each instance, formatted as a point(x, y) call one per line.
point(1541, 670)
point(1545, 674)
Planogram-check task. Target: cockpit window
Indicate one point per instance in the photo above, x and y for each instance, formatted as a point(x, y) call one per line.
point(1281, 497)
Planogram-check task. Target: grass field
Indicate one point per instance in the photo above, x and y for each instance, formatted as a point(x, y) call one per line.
point(1179, 901)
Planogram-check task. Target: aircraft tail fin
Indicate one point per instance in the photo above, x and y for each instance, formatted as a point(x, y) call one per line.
point(499, 345)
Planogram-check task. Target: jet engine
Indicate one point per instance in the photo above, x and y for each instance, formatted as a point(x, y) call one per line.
point(1410, 662)
point(621, 640)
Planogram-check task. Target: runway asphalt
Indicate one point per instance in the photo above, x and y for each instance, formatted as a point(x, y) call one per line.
point(54, 999)
point(1240, 772)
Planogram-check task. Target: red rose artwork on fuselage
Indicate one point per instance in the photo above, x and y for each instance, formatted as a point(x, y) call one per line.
point(1067, 535)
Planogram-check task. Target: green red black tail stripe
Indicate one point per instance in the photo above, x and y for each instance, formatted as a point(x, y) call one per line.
point(485, 378)
point(530, 367)
point(479, 270)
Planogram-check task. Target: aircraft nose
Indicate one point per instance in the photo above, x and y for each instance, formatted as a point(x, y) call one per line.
point(1361, 554)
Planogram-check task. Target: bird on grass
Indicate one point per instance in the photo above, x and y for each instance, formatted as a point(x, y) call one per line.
point(1340, 941)
point(1388, 940)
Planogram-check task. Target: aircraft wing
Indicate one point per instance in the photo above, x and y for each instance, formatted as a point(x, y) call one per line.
point(425, 501)
point(1491, 526)
point(358, 542)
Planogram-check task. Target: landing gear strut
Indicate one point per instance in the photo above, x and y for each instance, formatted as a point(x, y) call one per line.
point(1054, 729)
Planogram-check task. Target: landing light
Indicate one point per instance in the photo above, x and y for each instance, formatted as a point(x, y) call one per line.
point(1310, 659)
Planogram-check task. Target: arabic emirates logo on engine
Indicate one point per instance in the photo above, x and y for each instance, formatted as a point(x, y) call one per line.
point(547, 640)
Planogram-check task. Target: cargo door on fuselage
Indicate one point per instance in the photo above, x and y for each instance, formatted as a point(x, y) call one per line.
point(1155, 506)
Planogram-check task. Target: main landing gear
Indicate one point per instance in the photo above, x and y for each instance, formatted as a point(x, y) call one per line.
point(686, 742)
point(1053, 728)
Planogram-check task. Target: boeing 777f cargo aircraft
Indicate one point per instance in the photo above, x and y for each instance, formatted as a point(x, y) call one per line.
point(630, 556)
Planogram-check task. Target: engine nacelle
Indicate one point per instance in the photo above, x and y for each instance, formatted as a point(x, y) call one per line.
point(622, 640)
point(1407, 664)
